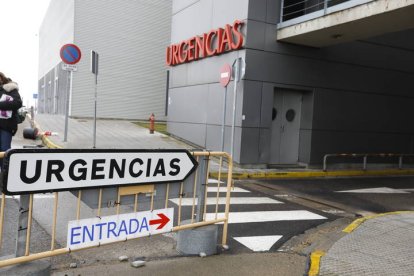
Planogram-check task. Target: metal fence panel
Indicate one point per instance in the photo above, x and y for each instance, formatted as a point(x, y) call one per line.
point(127, 199)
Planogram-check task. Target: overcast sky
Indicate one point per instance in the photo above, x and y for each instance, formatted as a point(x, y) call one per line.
point(19, 44)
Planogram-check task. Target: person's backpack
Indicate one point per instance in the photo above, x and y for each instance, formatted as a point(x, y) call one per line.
point(21, 115)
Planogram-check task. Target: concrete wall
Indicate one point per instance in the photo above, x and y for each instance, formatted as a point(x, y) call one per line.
point(53, 89)
point(55, 31)
point(195, 96)
point(130, 37)
point(360, 92)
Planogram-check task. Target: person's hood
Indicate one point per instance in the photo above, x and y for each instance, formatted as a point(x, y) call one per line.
point(8, 87)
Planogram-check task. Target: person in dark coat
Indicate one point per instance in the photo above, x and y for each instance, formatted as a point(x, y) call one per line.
point(10, 102)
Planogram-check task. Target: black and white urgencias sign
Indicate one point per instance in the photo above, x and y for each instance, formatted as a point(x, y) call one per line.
point(48, 170)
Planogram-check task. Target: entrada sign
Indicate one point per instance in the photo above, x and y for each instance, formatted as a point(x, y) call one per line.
point(107, 229)
point(47, 170)
point(209, 44)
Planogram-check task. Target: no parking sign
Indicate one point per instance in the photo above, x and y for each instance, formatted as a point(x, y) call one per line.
point(70, 54)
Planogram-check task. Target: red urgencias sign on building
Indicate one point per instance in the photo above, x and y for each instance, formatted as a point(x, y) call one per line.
point(209, 44)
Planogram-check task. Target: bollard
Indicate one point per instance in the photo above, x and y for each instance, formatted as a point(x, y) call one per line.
point(30, 133)
point(152, 123)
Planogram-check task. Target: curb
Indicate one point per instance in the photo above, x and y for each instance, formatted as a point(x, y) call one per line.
point(356, 223)
point(49, 144)
point(315, 260)
point(315, 257)
point(45, 140)
point(315, 174)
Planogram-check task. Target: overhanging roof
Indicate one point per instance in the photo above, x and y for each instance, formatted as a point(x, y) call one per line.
point(366, 20)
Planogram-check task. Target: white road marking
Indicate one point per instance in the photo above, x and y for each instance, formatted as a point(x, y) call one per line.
point(265, 216)
point(333, 211)
point(224, 189)
point(258, 243)
point(233, 200)
point(380, 190)
point(407, 190)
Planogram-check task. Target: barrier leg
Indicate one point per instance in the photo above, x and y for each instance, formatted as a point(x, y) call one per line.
point(22, 225)
point(201, 188)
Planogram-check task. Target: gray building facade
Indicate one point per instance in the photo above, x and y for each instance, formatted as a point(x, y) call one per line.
point(297, 101)
point(130, 37)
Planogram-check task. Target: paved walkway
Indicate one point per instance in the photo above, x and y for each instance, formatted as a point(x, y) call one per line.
point(379, 246)
point(110, 134)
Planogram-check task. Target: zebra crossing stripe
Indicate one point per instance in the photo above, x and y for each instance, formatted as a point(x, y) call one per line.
point(266, 216)
point(233, 201)
point(259, 243)
point(379, 190)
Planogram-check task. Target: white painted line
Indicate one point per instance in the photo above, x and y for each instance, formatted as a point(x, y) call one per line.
point(258, 243)
point(265, 216)
point(380, 190)
point(224, 189)
point(233, 201)
point(333, 211)
point(407, 190)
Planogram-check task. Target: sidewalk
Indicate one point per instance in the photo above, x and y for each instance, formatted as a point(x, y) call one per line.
point(382, 245)
point(110, 134)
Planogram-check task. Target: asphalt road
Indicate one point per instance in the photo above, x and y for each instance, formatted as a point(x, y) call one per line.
point(352, 195)
point(265, 227)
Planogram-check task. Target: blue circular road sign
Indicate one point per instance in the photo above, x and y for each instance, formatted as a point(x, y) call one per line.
point(70, 54)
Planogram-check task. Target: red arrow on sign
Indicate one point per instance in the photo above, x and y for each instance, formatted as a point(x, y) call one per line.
point(162, 221)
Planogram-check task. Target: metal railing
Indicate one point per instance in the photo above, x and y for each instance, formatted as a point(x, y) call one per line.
point(188, 198)
point(292, 9)
point(365, 156)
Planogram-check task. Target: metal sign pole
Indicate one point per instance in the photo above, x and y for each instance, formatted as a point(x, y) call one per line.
point(70, 55)
point(94, 117)
point(94, 70)
point(236, 79)
point(65, 137)
point(224, 118)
